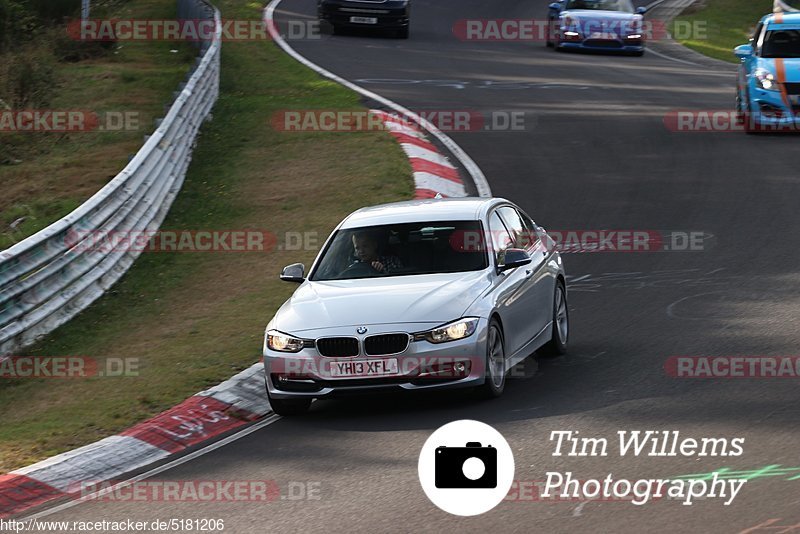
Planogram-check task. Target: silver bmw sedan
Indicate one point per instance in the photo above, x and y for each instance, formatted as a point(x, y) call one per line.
point(439, 293)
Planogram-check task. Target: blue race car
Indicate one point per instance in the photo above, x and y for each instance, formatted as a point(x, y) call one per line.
point(603, 25)
point(768, 96)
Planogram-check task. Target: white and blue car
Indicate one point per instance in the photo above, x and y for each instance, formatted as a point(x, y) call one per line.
point(599, 25)
point(768, 93)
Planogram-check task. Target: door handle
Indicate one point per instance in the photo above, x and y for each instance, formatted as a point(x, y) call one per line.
point(528, 273)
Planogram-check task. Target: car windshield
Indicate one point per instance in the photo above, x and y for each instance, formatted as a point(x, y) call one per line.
point(602, 5)
point(781, 43)
point(402, 250)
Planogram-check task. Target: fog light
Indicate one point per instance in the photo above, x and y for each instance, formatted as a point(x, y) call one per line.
point(459, 367)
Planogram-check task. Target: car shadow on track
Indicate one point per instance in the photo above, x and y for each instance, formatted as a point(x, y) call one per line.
point(536, 388)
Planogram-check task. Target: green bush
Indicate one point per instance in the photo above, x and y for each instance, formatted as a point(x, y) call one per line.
point(49, 11)
point(25, 21)
point(69, 49)
point(7, 154)
point(27, 77)
point(17, 24)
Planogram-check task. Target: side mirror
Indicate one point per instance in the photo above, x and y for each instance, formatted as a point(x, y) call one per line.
point(512, 258)
point(295, 272)
point(743, 51)
point(555, 6)
point(641, 10)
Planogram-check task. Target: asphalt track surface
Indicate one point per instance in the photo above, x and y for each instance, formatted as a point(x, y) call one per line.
point(594, 154)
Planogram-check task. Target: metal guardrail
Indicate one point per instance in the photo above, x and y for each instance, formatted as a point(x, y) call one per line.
point(47, 279)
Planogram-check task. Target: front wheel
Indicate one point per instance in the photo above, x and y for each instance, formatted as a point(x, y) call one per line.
point(495, 380)
point(289, 407)
point(746, 120)
point(403, 33)
point(558, 343)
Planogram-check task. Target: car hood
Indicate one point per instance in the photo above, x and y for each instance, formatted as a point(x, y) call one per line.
point(600, 16)
point(791, 66)
point(430, 298)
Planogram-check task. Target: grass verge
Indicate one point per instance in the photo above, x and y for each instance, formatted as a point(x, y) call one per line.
point(194, 319)
point(729, 23)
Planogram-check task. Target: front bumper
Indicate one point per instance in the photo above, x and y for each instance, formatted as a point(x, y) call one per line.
point(621, 45)
point(390, 14)
point(768, 111)
point(423, 365)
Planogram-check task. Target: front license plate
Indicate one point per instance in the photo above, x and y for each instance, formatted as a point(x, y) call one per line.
point(361, 368)
point(603, 36)
point(364, 20)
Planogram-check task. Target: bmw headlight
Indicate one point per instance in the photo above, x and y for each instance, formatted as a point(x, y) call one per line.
point(765, 80)
point(280, 342)
point(454, 331)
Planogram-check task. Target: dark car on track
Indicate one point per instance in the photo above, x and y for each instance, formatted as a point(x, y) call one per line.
point(388, 15)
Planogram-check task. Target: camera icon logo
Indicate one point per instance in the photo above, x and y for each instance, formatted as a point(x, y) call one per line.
point(466, 468)
point(472, 466)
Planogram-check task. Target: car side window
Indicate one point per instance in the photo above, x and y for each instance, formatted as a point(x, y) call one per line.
point(520, 234)
point(758, 39)
point(757, 32)
point(531, 233)
point(501, 239)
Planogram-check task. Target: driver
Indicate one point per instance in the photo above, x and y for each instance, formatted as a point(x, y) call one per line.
point(365, 249)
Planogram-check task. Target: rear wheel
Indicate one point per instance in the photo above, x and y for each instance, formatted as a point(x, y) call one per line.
point(495, 381)
point(558, 343)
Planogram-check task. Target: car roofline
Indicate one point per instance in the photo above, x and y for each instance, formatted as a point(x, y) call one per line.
point(482, 207)
point(788, 18)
